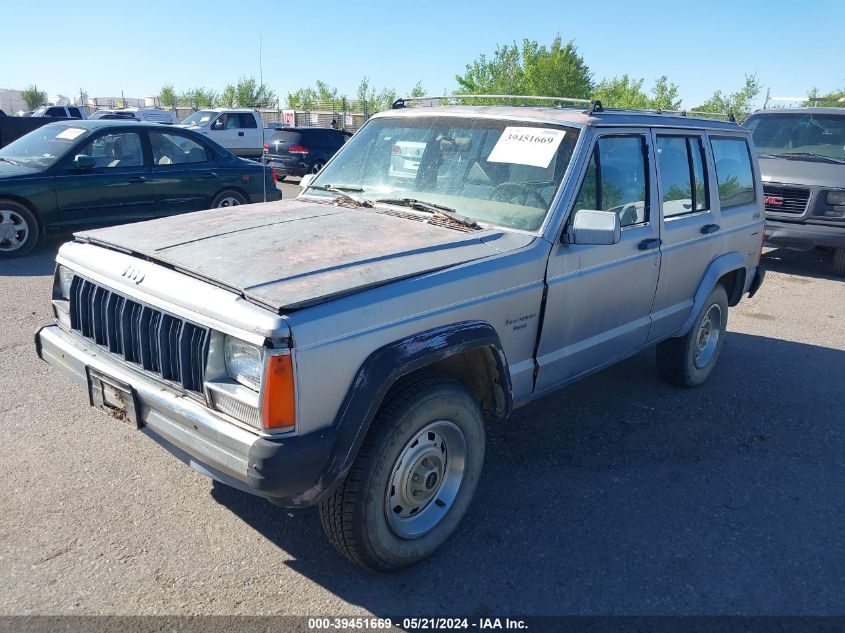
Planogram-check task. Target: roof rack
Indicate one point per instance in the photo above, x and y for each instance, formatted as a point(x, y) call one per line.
point(401, 103)
point(597, 107)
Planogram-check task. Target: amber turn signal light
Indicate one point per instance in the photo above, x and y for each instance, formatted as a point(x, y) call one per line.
point(278, 409)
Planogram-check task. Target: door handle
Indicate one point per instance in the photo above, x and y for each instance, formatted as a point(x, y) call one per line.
point(137, 179)
point(650, 243)
point(240, 133)
point(709, 228)
point(209, 174)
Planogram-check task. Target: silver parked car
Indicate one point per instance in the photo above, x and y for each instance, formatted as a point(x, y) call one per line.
point(802, 160)
point(348, 348)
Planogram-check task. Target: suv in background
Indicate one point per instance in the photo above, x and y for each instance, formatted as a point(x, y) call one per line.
point(802, 160)
point(153, 115)
point(296, 151)
point(60, 112)
point(348, 348)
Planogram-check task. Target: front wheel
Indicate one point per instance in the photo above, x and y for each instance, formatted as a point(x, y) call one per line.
point(413, 479)
point(839, 262)
point(19, 229)
point(688, 360)
point(228, 198)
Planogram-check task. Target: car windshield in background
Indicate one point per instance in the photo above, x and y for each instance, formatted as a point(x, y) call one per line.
point(42, 147)
point(494, 171)
point(797, 135)
point(200, 118)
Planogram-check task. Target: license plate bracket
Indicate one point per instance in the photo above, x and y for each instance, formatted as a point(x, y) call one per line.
point(113, 396)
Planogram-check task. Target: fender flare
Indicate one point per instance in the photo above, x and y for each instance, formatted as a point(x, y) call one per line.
point(718, 268)
point(380, 371)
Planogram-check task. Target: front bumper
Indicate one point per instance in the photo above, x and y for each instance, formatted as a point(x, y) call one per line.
point(285, 470)
point(804, 236)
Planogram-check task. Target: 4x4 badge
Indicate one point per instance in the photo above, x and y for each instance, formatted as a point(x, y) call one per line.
point(134, 274)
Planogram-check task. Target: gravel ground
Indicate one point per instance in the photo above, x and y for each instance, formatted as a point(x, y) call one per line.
point(617, 495)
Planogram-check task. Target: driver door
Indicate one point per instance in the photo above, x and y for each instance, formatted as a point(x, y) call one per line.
point(599, 297)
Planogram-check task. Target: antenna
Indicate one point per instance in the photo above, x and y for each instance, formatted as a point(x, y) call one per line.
point(261, 91)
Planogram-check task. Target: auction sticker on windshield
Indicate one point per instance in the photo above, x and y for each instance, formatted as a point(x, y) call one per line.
point(71, 133)
point(526, 146)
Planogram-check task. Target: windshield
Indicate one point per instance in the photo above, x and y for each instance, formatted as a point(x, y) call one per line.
point(499, 172)
point(200, 118)
point(42, 147)
point(800, 134)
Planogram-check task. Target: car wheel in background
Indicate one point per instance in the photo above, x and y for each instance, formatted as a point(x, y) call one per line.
point(839, 262)
point(228, 198)
point(317, 167)
point(413, 478)
point(19, 230)
point(688, 360)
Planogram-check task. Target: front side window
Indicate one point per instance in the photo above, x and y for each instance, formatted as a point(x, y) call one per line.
point(799, 135)
point(490, 170)
point(175, 149)
point(122, 149)
point(683, 182)
point(733, 171)
point(616, 179)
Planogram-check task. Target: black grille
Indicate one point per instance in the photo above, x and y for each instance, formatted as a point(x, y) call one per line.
point(786, 199)
point(160, 343)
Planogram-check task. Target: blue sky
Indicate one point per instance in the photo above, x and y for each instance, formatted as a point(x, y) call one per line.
point(136, 47)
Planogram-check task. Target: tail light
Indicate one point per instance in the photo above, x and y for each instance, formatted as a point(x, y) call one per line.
point(273, 174)
point(266, 148)
point(297, 149)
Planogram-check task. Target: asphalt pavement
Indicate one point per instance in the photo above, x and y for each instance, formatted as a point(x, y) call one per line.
point(618, 495)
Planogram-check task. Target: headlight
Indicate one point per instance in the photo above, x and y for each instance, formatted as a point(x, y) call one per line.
point(836, 198)
point(244, 362)
point(65, 279)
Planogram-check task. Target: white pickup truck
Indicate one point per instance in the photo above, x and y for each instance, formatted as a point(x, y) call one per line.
point(238, 130)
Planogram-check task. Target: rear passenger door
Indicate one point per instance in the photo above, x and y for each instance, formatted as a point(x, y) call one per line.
point(185, 177)
point(599, 297)
point(689, 225)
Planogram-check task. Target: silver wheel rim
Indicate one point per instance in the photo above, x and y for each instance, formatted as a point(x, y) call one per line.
point(707, 339)
point(228, 201)
point(14, 230)
point(316, 168)
point(425, 479)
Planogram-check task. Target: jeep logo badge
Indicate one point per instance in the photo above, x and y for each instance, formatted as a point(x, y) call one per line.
point(135, 274)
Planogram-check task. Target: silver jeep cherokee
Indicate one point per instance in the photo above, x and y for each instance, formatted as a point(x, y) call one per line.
point(348, 347)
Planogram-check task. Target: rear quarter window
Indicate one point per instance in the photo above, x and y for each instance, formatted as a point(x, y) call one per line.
point(734, 173)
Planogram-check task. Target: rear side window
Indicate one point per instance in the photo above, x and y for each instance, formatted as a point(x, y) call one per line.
point(74, 112)
point(247, 121)
point(733, 171)
point(616, 179)
point(683, 182)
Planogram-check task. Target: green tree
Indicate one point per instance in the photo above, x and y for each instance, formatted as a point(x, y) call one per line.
point(530, 69)
point(167, 96)
point(418, 90)
point(199, 97)
point(246, 94)
point(739, 103)
point(33, 97)
point(664, 95)
point(835, 98)
point(622, 92)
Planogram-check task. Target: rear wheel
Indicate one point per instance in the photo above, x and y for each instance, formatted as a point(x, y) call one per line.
point(19, 230)
point(839, 262)
point(316, 167)
point(228, 198)
point(413, 478)
point(688, 360)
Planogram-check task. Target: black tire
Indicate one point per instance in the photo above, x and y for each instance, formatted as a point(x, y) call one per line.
point(228, 198)
point(684, 361)
point(355, 517)
point(316, 167)
point(839, 262)
point(19, 230)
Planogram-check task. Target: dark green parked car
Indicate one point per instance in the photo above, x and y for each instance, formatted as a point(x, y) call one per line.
point(72, 175)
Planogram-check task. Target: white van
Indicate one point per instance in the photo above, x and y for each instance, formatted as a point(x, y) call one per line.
point(153, 115)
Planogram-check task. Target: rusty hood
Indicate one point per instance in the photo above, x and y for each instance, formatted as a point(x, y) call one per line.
point(292, 254)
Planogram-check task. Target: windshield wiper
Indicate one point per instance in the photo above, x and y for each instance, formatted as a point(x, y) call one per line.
point(811, 155)
point(10, 161)
point(430, 207)
point(340, 190)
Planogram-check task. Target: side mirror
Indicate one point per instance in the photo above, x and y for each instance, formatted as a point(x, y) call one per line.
point(595, 227)
point(306, 180)
point(83, 162)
